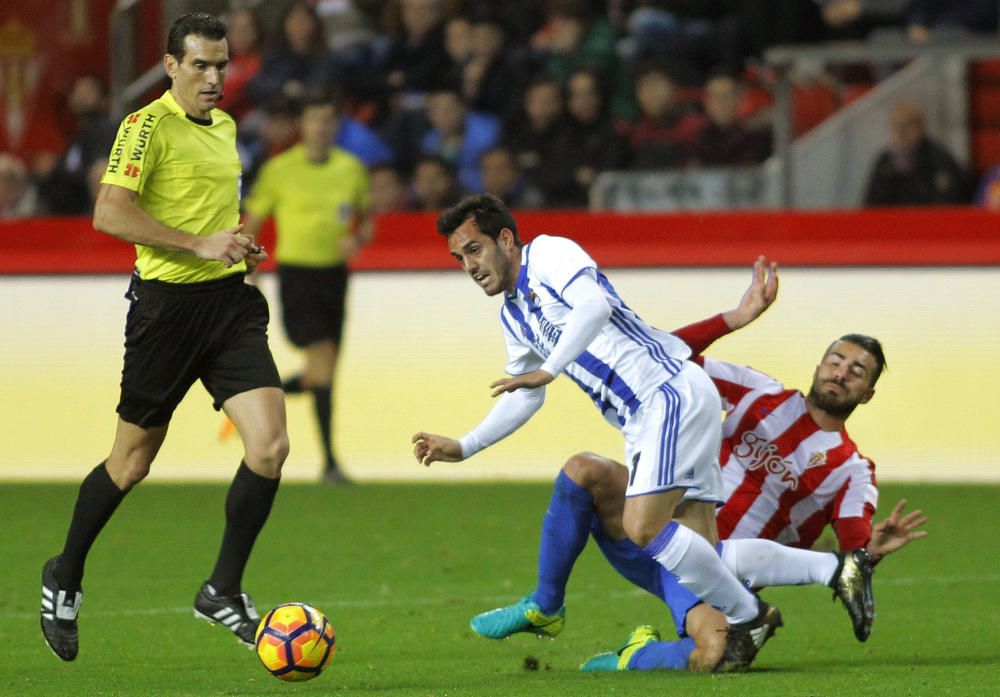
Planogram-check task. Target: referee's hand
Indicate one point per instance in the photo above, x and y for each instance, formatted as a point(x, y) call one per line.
point(227, 246)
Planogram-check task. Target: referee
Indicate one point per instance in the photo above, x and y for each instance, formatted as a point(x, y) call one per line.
point(171, 188)
point(318, 195)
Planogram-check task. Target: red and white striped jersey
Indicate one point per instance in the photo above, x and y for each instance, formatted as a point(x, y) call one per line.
point(785, 478)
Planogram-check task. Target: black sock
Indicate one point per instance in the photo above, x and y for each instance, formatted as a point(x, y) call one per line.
point(323, 405)
point(98, 498)
point(293, 385)
point(248, 504)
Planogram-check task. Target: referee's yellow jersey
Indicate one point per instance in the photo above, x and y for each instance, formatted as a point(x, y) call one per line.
point(187, 175)
point(313, 204)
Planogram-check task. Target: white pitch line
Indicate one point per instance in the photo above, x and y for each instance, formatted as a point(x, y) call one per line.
point(409, 601)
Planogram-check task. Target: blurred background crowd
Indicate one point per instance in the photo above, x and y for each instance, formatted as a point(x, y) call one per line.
point(532, 99)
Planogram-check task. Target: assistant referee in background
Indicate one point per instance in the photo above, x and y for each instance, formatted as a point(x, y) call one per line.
point(318, 195)
point(171, 188)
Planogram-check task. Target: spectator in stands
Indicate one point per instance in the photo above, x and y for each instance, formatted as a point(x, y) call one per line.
point(458, 45)
point(856, 19)
point(692, 36)
point(494, 77)
point(590, 143)
point(417, 62)
point(18, 195)
point(988, 192)
point(298, 61)
point(501, 177)
point(914, 170)
point(387, 189)
point(356, 138)
point(665, 134)
point(533, 137)
point(348, 31)
point(574, 39)
point(458, 135)
point(433, 186)
point(927, 19)
point(245, 35)
point(726, 139)
point(63, 188)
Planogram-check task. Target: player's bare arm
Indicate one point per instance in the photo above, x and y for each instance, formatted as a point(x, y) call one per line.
point(428, 448)
point(896, 531)
point(758, 297)
point(536, 378)
point(116, 214)
point(364, 231)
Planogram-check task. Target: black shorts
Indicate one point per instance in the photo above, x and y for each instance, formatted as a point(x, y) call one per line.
point(176, 333)
point(312, 302)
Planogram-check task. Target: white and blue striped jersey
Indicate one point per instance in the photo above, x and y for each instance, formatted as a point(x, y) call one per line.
point(621, 368)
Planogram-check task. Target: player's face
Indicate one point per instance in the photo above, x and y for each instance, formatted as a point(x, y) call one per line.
point(491, 263)
point(843, 379)
point(318, 125)
point(197, 79)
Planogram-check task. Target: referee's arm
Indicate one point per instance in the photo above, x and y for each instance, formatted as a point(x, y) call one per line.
point(116, 214)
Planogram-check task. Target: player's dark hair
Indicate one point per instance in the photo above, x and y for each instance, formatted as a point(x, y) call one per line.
point(196, 24)
point(872, 346)
point(489, 212)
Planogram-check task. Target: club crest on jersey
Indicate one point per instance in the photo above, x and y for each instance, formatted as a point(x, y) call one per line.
point(763, 454)
point(817, 459)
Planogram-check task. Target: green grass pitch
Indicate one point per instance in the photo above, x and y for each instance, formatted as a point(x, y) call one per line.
point(401, 568)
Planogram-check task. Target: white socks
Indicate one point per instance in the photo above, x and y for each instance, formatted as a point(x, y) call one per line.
point(699, 569)
point(761, 563)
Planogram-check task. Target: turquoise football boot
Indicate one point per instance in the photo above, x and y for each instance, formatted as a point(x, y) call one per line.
point(522, 616)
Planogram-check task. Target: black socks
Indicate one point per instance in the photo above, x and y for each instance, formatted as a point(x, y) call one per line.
point(248, 504)
point(98, 499)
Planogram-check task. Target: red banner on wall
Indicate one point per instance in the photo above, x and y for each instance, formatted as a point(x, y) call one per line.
point(409, 241)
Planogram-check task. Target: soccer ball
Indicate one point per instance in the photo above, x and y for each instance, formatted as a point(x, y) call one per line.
point(295, 642)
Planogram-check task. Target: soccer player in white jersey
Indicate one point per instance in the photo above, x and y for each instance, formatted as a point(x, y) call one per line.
point(799, 484)
point(561, 315)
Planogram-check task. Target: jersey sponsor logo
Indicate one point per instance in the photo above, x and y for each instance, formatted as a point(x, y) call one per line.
point(115, 161)
point(763, 454)
point(550, 331)
point(142, 138)
point(131, 170)
point(134, 118)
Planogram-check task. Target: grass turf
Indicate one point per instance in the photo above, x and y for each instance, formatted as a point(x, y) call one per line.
point(400, 569)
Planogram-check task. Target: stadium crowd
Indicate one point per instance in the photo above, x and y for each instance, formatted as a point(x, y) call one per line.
point(527, 99)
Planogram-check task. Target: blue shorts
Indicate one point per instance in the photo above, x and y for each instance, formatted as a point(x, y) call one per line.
point(629, 560)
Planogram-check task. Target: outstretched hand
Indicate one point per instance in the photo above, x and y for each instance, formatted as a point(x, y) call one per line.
point(430, 448)
point(896, 531)
point(758, 297)
point(536, 378)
